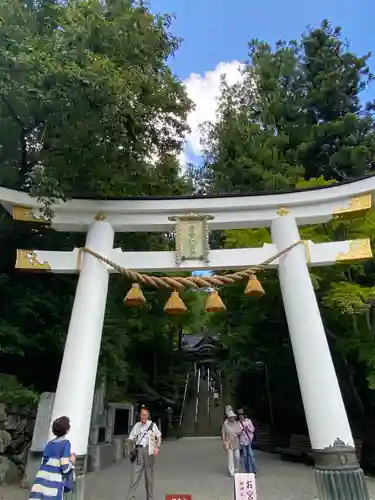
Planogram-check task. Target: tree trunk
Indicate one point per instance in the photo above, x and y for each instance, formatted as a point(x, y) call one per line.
point(179, 340)
point(155, 368)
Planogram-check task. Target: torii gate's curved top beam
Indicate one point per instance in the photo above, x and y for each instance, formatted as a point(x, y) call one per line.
point(308, 206)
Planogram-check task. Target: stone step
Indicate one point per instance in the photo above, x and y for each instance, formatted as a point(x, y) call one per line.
point(199, 434)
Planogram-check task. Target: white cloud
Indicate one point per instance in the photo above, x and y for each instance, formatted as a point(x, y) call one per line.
point(204, 91)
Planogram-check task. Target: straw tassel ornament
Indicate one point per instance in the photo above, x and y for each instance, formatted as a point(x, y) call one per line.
point(254, 287)
point(175, 304)
point(214, 303)
point(135, 297)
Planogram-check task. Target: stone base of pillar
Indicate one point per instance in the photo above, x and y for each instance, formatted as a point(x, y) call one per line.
point(78, 492)
point(338, 474)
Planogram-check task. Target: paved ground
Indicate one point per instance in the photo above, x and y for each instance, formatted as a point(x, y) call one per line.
point(198, 466)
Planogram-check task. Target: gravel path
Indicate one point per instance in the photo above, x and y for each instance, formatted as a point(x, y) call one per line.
point(198, 466)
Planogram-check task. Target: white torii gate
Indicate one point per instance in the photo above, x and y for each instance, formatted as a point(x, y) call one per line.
point(330, 435)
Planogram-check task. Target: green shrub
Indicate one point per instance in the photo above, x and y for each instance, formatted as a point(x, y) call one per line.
point(12, 392)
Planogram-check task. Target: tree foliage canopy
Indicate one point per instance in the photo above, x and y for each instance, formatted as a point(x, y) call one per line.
point(87, 98)
point(296, 113)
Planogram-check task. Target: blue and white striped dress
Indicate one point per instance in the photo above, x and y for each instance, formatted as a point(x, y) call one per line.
point(48, 484)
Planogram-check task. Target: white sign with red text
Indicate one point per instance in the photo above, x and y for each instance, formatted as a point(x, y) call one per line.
point(244, 487)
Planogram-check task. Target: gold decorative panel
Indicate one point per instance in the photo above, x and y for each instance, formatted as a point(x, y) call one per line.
point(100, 216)
point(27, 259)
point(358, 250)
point(357, 207)
point(192, 237)
point(283, 211)
point(27, 214)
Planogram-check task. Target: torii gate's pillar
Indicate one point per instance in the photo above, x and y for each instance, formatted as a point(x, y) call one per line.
point(76, 385)
point(338, 474)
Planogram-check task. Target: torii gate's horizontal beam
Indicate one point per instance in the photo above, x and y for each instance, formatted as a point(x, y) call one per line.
point(307, 206)
point(317, 254)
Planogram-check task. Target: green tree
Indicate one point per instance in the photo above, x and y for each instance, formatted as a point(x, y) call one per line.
point(89, 107)
point(87, 98)
point(297, 112)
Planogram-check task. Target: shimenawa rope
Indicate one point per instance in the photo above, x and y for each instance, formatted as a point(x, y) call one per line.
point(179, 282)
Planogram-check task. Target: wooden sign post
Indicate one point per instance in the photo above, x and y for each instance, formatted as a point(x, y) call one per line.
point(244, 487)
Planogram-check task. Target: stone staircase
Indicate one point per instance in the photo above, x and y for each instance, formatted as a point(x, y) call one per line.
point(209, 416)
point(203, 421)
point(188, 423)
point(216, 418)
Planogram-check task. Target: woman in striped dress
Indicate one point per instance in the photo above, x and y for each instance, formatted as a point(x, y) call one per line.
point(57, 463)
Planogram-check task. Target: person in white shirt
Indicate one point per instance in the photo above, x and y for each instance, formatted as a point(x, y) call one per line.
point(145, 439)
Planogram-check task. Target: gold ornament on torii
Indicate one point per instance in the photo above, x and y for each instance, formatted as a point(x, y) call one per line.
point(29, 214)
point(357, 207)
point(28, 260)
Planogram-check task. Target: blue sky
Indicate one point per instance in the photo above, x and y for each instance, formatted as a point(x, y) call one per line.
point(217, 30)
point(216, 33)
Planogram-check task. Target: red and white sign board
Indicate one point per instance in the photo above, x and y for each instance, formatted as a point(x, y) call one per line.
point(244, 487)
point(178, 496)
